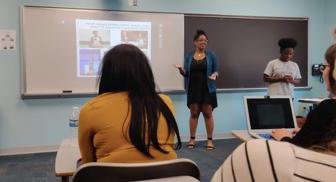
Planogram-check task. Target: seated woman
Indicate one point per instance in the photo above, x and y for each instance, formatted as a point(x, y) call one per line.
point(128, 121)
point(311, 158)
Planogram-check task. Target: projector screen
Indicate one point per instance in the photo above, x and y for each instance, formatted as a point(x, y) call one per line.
point(63, 48)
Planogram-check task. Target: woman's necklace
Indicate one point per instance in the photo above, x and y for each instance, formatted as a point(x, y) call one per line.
point(200, 55)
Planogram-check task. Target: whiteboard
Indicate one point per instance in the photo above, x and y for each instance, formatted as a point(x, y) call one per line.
point(51, 48)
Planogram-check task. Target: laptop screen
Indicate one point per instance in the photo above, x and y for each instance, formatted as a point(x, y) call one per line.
point(270, 113)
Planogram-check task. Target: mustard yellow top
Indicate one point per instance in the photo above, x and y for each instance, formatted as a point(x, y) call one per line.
point(103, 127)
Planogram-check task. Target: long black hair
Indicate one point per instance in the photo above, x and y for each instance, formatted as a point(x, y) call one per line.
point(319, 131)
point(126, 68)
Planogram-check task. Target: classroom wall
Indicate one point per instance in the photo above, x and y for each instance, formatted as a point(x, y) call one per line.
point(43, 122)
point(330, 19)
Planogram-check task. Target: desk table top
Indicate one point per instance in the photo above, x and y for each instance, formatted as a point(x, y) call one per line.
point(67, 157)
point(310, 100)
point(242, 135)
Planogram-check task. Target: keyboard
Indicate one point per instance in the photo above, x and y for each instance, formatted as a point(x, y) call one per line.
point(265, 136)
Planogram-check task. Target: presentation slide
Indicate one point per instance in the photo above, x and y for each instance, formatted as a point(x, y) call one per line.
point(96, 37)
point(65, 55)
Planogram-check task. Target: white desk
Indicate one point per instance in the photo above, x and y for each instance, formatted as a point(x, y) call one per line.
point(314, 101)
point(67, 158)
point(242, 135)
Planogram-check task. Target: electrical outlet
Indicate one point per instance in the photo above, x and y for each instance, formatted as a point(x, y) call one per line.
point(133, 2)
point(304, 108)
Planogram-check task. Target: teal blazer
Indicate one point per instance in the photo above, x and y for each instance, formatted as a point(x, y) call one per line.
point(212, 67)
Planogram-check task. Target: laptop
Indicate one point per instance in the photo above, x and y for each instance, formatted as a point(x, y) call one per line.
point(263, 114)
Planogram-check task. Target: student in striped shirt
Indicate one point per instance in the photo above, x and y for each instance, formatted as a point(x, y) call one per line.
point(309, 156)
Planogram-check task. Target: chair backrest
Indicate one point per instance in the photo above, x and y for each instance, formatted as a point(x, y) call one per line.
point(107, 172)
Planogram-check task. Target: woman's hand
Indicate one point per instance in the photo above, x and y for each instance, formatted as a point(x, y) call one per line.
point(178, 66)
point(288, 78)
point(295, 131)
point(278, 134)
point(213, 76)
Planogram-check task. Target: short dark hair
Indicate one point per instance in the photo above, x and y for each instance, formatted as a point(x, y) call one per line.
point(330, 57)
point(126, 68)
point(198, 34)
point(285, 43)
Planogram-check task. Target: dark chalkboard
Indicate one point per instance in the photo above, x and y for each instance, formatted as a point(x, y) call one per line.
point(244, 46)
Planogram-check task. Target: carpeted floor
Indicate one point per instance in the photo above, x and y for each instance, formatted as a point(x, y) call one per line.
point(40, 167)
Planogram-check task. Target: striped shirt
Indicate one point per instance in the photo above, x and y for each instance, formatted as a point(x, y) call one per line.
point(267, 160)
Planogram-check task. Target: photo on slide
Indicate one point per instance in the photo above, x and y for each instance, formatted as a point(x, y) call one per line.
point(95, 37)
point(91, 38)
point(137, 38)
point(89, 62)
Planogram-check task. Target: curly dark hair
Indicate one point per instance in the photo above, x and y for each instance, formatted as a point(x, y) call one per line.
point(285, 43)
point(199, 33)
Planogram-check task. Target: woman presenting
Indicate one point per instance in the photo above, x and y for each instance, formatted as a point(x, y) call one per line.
point(200, 73)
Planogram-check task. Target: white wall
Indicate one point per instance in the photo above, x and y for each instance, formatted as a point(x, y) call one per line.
point(330, 19)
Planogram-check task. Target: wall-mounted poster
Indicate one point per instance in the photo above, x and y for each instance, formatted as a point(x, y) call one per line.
point(7, 40)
